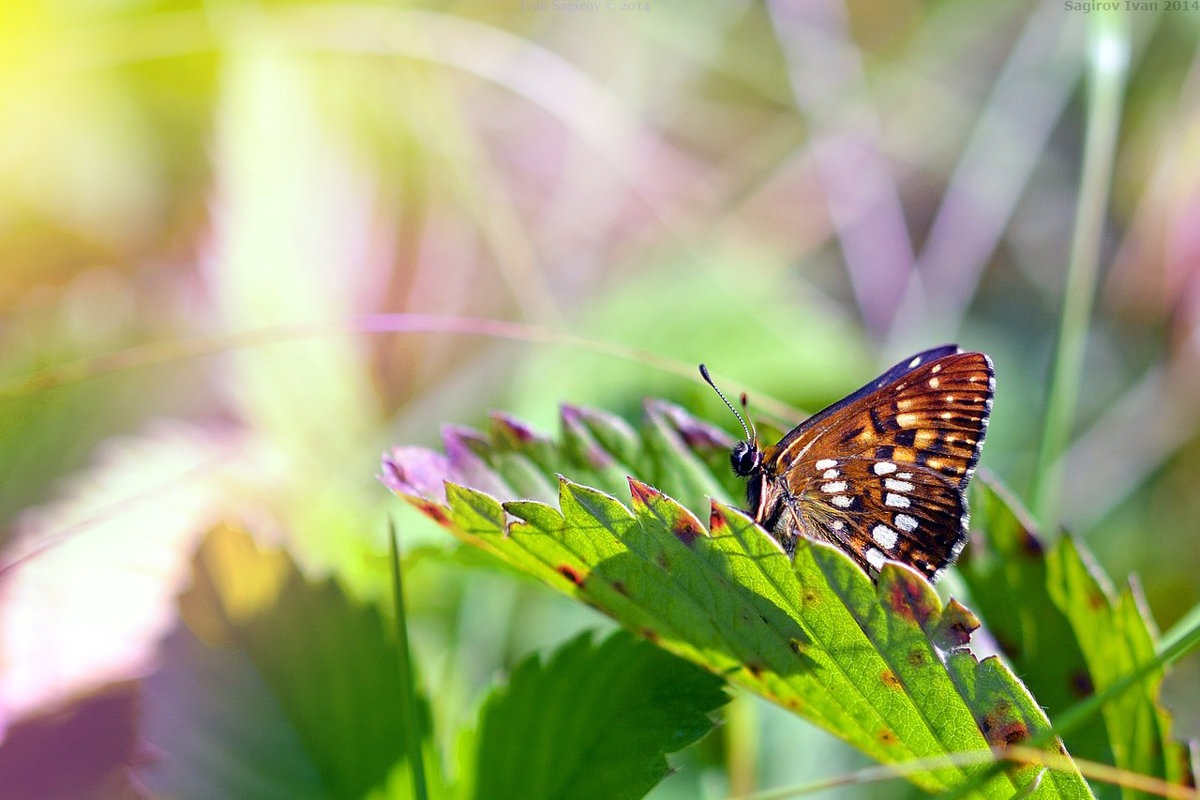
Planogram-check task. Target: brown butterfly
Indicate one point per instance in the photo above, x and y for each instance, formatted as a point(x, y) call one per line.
point(881, 473)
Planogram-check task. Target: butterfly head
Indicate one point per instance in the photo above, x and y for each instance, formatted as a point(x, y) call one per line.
point(747, 457)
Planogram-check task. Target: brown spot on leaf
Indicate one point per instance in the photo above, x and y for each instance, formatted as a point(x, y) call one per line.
point(755, 669)
point(918, 657)
point(716, 522)
point(686, 530)
point(890, 680)
point(811, 597)
point(886, 737)
point(434, 512)
point(620, 588)
point(1097, 600)
point(661, 558)
point(650, 635)
point(1001, 727)
point(570, 574)
point(792, 703)
point(796, 645)
point(905, 596)
point(1005, 732)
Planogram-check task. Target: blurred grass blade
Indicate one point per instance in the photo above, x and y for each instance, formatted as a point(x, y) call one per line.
point(1185, 628)
point(415, 735)
point(883, 667)
point(1109, 51)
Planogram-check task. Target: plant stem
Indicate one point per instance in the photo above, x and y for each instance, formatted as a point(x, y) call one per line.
point(407, 679)
point(1108, 50)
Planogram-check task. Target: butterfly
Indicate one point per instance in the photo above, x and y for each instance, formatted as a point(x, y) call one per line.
point(881, 473)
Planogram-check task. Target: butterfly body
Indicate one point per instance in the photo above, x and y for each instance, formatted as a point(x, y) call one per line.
point(881, 473)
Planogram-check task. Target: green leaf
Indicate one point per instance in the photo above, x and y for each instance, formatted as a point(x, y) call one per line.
point(884, 667)
point(593, 721)
point(1116, 638)
point(1071, 635)
point(1006, 571)
point(277, 686)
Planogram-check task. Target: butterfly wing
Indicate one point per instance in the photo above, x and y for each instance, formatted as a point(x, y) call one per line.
point(882, 473)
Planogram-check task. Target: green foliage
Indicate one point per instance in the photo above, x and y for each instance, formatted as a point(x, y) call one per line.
point(1072, 635)
point(277, 687)
point(884, 667)
point(594, 721)
point(283, 687)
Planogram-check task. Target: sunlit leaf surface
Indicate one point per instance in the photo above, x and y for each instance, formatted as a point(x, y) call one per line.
point(595, 720)
point(885, 667)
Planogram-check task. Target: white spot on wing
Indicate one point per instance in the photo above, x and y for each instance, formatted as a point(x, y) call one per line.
point(893, 500)
point(875, 558)
point(885, 536)
point(826, 463)
point(934, 383)
point(906, 523)
point(884, 467)
point(936, 369)
point(897, 486)
point(915, 362)
point(830, 474)
point(833, 488)
point(838, 525)
point(842, 500)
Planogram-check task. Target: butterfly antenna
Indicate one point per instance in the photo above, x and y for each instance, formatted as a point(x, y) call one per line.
point(746, 412)
point(750, 436)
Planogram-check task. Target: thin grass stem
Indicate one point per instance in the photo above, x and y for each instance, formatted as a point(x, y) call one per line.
point(1108, 49)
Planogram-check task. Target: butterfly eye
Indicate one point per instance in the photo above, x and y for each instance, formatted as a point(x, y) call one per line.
point(746, 459)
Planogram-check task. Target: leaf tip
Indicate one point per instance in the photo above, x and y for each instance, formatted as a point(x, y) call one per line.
point(904, 592)
point(515, 431)
point(717, 523)
point(643, 494)
point(955, 626)
point(415, 471)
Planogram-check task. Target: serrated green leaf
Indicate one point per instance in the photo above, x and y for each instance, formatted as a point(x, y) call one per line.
point(883, 667)
point(595, 720)
point(305, 682)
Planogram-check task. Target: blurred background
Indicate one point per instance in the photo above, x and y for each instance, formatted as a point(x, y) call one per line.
point(202, 206)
